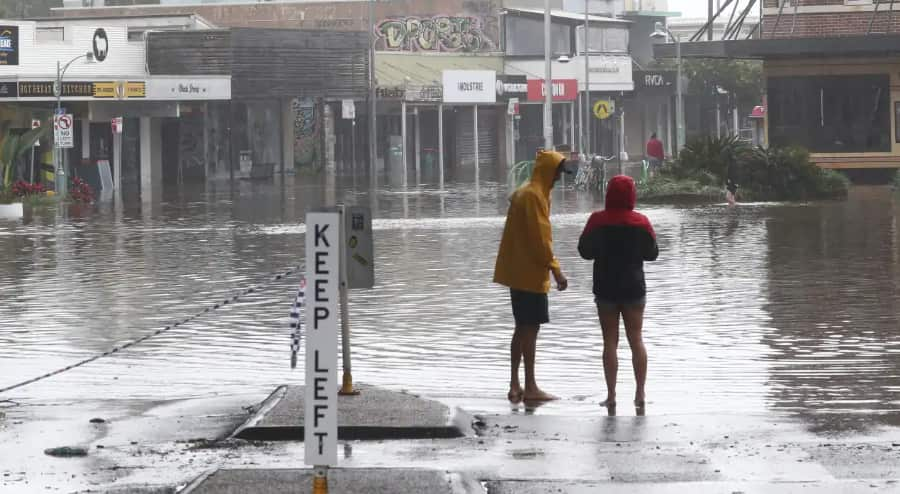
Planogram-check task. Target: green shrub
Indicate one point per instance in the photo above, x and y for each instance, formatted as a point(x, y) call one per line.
point(784, 173)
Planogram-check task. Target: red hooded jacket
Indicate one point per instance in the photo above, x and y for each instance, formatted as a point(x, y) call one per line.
point(619, 240)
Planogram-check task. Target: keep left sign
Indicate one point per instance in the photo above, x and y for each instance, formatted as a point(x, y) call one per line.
point(323, 323)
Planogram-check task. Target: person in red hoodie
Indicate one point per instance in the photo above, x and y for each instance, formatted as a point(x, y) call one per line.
point(619, 240)
point(655, 154)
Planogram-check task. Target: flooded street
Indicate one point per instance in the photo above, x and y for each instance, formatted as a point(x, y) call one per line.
point(787, 308)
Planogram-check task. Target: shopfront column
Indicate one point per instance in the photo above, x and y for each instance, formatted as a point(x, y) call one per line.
point(151, 157)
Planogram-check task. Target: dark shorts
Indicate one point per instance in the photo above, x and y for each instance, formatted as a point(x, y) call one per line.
point(529, 308)
point(604, 305)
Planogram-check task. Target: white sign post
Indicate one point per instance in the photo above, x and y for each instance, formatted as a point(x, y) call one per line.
point(64, 131)
point(35, 124)
point(323, 250)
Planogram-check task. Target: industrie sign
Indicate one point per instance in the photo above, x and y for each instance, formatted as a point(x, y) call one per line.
point(470, 86)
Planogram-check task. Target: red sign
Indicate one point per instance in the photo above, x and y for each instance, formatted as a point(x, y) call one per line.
point(563, 90)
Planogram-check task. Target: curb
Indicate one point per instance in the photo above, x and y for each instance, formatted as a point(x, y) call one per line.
point(460, 421)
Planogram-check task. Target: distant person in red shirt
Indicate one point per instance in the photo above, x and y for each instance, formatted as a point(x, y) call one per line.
point(655, 154)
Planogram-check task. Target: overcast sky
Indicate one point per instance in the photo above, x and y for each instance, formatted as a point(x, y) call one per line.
point(696, 8)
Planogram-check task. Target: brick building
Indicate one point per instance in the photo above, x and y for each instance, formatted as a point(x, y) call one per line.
point(832, 74)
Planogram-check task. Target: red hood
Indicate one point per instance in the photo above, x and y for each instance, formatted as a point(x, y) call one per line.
point(621, 193)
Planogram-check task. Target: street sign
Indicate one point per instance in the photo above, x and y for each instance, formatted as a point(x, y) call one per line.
point(323, 252)
point(604, 108)
point(117, 125)
point(360, 248)
point(36, 124)
point(512, 107)
point(348, 109)
point(63, 131)
point(59, 111)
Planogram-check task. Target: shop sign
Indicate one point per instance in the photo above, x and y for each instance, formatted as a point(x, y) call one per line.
point(563, 90)
point(470, 86)
point(653, 79)
point(188, 89)
point(117, 125)
point(9, 90)
point(44, 89)
point(390, 93)
point(9, 45)
point(432, 94)
point(512, 86)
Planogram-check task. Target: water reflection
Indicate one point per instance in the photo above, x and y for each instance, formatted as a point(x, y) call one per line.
point(832, 290)
point(762, 307)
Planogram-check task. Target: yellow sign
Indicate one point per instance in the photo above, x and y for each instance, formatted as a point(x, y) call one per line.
point(135, 89)
point(105, 89)
point(604, 109)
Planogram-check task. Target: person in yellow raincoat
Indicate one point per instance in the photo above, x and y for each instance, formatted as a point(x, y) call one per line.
point(524, 264)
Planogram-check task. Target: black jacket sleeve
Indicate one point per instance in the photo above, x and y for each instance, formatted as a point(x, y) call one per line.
point(650, 248)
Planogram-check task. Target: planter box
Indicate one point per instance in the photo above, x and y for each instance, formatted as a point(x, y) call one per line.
point(12, 211)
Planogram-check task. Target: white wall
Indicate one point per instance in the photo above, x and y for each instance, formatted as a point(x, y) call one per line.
point(38, 60)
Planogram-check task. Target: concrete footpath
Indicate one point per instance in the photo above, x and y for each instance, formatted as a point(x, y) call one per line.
point(565, 447)
point(374, 414)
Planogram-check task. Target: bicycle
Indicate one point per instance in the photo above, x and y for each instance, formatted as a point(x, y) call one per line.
point(592, 176)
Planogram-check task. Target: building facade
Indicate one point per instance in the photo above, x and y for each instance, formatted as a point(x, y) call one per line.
point(831, 76)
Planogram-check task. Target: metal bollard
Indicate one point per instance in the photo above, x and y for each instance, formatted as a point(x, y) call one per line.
point(320, 480)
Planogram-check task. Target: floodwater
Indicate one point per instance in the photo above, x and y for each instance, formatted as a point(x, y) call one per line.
point(786, 308)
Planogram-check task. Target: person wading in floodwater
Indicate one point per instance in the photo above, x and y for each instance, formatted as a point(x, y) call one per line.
point(619, 240)
point(524, 264)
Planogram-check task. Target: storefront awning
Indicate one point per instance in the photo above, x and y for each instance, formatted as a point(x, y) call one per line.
point(767, 49)
point(392, 70)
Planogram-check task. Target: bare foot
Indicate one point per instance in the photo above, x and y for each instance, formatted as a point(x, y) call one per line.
point(515, 394)
point(608, 403)
point(538, 395)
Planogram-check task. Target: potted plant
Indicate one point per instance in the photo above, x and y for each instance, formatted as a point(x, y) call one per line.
point(12, 148)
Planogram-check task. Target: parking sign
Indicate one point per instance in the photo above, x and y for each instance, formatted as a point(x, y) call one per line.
point(63, 131)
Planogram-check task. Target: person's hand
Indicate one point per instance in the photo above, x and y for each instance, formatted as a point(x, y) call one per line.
point(561, 281)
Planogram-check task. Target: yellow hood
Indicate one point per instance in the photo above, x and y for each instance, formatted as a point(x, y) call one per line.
point(526, 255)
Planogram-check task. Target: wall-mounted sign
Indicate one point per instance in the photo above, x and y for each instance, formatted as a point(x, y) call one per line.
point(470, 86)
point(106, 90)
point(9, 45)
point(101, 45)
point(607, 68)
point(189, 89)
point(563, 90)
point(117, 125)
point(431, 94)
point(44, 89)
point(9, 90)
point(390, 93)
point(512, 86)
point(654, 79)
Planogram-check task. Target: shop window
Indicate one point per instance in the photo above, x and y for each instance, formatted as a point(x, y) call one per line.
point(831, 114)
point(521, 38)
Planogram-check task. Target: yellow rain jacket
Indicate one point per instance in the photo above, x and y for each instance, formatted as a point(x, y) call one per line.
point(526, 249)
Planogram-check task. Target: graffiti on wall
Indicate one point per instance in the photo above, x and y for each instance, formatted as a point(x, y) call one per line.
point(306, 131)
point(437, 34)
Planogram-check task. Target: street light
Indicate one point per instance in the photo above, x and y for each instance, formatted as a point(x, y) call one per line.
point(61, 182)
point(663, 32)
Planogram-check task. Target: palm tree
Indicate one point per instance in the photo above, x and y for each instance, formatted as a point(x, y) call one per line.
point(12, 148)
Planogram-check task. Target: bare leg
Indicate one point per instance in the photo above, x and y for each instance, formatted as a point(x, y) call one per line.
point(529, 336)
point(609, 322)
point(515, 357)
point(634, 325)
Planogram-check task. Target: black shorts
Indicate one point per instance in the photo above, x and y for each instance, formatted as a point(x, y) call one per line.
point(529, 308)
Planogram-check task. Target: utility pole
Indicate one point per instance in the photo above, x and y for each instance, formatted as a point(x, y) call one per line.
point(709, 32)
point(373, 104)
point(548, 79)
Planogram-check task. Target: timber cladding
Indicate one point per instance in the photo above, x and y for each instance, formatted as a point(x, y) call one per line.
point(267, 63)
